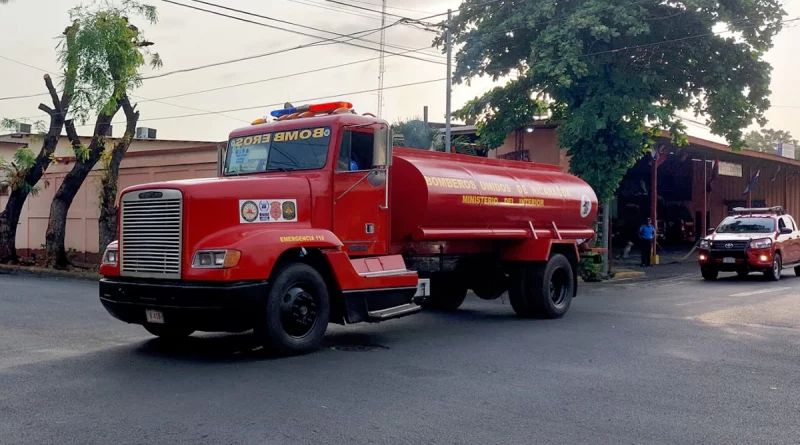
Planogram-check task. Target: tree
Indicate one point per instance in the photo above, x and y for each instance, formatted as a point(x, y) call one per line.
point(110, 52)
point(108, 178)
point(616, 72)
point(26, 171)
point(416, 134)
point(767, 140)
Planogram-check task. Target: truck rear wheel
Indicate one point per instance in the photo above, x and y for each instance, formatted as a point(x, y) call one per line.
point(168, 332)
point(543, 290)
point(297, 311)
point(448, 292)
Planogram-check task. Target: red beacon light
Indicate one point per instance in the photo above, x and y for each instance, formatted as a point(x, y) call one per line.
point(313, 108)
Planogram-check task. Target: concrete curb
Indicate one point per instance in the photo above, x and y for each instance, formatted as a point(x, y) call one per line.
point(45, 272)
point(625, 274)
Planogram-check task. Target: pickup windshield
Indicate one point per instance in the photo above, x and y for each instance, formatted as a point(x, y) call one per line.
point(301, 149)
point(747, 225)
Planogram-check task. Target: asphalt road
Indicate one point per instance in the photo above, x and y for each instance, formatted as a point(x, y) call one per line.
point(672, 360)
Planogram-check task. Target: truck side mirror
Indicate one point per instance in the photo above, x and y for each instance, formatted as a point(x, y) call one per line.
point(382, 147)
point(220, 160)
point(786, 231)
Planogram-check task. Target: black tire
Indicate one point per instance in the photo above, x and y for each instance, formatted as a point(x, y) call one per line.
point(709, 274)
point(774, 274)
point(543, 290)
point(448, 292)
point(797, 271)
point(742, 273)
point(296, 312)
point(168, 332)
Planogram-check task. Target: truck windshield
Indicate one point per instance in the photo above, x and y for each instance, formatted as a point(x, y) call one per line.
point(301, 149)
point(747, 225)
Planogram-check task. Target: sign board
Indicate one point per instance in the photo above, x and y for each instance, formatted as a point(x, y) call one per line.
point(786, 150)
point(730, 169)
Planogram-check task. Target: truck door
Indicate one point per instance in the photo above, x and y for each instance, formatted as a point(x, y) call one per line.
point(359, 194)
point(794, 241)
point(787, 242)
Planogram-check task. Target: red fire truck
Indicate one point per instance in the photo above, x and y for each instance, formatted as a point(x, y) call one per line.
point(317, 219)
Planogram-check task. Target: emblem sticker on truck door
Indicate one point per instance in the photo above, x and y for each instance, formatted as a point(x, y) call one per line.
point(254, 211)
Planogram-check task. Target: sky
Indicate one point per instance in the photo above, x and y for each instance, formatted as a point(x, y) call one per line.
point(187, 38)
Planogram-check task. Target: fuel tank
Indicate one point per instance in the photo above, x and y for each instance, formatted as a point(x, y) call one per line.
point(438, 196)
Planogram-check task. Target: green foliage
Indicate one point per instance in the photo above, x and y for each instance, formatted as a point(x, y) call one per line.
point(415, 134)
point(12, 174)
point(616, 72)
point(766, 140)
point(101, 53)
point(590, 268)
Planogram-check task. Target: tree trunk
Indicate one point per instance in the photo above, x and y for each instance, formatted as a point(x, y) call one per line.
point(108, 207)
point(9, 218)
point(55, 236)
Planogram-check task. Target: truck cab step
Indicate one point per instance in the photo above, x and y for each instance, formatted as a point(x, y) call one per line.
point(395, 312)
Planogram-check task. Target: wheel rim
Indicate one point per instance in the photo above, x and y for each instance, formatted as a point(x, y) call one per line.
point(776, 267)
point(299, 311)
point(559, 286)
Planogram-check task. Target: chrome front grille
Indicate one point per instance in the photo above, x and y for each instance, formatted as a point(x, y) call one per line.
point(151, 225)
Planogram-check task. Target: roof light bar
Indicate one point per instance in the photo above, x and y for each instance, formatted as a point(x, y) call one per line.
point(314, 108)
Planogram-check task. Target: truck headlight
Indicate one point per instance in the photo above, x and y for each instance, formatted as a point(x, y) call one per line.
point(111, 257)
point(216, 259)
point(704, 244)
point(763, 243)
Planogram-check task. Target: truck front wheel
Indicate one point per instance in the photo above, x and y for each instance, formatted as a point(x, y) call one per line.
point(297, 311)
point(774, 273)
point(448, 292)
point(709, 274)
point(543, 290)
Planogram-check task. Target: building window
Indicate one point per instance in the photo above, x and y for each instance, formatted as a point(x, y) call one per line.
point(520, 155)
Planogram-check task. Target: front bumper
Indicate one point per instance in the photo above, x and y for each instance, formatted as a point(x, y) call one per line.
point(211, 307)
point(751, 259)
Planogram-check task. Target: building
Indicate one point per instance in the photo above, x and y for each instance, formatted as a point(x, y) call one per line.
point(702, 177)
point(147, 160)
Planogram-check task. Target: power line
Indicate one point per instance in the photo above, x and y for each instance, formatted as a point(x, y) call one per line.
point(286, 22)
point(393, 7)
point(321, 39)
point(352, 93)
point(316, 4)
point(21, 63)
point(365, 9)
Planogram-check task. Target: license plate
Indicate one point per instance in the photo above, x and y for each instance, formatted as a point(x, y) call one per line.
point(154, 316)
point(729, 260)
point(423, 288)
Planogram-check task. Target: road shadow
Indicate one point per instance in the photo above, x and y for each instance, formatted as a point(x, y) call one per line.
point(215, 348)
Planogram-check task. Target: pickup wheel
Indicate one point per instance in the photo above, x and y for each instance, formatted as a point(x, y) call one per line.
point(543, 290)
point(448, 292)
point(774, 273)
point(296, 312)
point(709, 274)
point(797, 271)
point(168, 332)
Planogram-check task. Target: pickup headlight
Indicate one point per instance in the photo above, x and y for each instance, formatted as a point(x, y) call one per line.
point(111, 257)
point(763, 243)
point(704, 244)
point(216, 259)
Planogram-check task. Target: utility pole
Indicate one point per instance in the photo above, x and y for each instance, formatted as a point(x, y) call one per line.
point(382, 68)
point(449, 42)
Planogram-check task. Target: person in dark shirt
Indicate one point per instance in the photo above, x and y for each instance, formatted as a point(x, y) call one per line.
point(646, 235)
